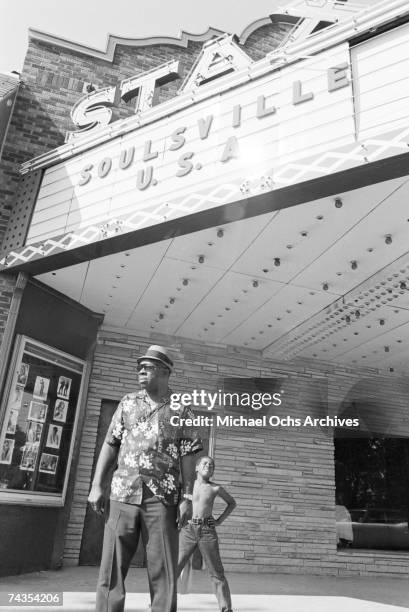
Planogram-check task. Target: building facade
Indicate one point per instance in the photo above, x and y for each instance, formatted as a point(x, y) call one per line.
point(242, 200)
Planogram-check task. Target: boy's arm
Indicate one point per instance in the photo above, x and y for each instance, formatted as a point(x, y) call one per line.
point(231, 504)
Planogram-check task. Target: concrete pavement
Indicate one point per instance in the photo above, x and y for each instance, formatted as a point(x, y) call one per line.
point(250, 592)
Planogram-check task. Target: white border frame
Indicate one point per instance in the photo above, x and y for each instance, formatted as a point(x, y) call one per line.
point(37, 498)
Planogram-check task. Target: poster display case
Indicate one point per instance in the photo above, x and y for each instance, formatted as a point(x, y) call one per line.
point(40, 408)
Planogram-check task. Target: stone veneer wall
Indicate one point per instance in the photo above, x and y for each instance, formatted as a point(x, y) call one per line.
point(282, 478)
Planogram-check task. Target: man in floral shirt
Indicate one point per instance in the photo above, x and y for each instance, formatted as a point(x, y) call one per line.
point(149, 454)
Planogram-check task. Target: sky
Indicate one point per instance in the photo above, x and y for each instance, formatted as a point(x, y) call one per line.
point(89, 21)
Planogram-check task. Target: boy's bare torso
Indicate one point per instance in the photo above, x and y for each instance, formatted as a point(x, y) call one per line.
point(204, 494)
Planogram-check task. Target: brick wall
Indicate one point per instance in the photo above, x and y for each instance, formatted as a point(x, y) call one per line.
point(282, 478)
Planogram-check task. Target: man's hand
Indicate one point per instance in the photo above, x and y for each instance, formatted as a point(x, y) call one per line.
point(96, 499)
point(185, 512)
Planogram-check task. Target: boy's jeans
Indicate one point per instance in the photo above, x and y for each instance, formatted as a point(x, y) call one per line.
point(206, 539)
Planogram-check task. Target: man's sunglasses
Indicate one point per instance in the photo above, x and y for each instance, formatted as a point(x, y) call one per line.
point(148, 367)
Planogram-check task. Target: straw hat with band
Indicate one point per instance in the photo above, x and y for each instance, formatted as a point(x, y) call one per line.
point(158, 353)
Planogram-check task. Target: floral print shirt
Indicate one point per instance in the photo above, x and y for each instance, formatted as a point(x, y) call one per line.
point(150, 449)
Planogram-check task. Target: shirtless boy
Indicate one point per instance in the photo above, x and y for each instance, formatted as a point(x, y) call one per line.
point(200, 530)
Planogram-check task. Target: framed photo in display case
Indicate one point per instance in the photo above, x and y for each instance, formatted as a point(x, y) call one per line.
point(39, 414)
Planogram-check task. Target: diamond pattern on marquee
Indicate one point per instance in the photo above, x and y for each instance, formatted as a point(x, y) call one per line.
point(347, 156)
point(151, 215)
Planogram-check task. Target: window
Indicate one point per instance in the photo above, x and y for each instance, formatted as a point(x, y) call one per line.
point(372, 492)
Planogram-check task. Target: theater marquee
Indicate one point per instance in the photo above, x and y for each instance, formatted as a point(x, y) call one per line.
point(208, 154)
point(257, 128)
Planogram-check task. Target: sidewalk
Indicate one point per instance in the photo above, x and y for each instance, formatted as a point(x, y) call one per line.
point(250, 592)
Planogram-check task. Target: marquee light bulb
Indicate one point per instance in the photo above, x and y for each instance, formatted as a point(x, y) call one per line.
point(338, 203)
point(388, 239)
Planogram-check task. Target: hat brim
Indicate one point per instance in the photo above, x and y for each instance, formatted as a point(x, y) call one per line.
point(166, 365)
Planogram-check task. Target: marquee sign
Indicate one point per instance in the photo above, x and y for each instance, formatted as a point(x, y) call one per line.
point(336, 78)
point(296, 123)
point(202, 156)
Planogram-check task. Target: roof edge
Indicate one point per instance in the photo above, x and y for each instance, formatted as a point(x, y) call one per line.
point(182, 40)
point(112, 41)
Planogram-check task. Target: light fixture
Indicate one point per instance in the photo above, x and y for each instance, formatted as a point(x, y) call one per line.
point(255, 284)
point(185, 282)
point(171, 300)
point(388, 239)
point(277, 261)
point(354, 264)
point(245, 187)
point(381, 321)
point(338, 203)
point(201, 259)
point(402, 285)
point(325, 286)
point(220, 233)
